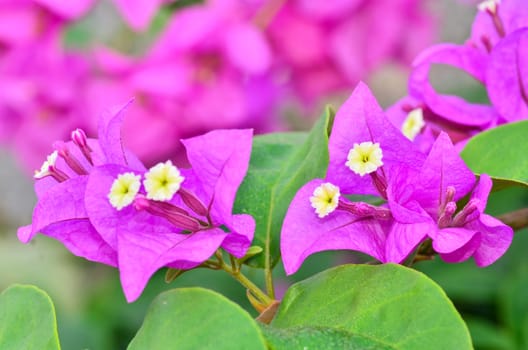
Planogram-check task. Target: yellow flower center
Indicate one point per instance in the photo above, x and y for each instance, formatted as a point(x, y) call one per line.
point(413, 124)
point(162, 181)
point(124, 190)
point(364, 158)
point(325, 199)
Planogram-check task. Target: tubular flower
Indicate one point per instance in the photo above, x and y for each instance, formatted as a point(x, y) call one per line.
point(178, 218)
point(162, 181)
point(432, 193)
point(60, 186)
point(124, 190)
point(364, 158)
point(413, 124)
point(325, 199)
point(91, 198)
point(362, 136)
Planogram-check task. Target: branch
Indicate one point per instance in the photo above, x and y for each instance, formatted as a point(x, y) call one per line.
point(516, 219)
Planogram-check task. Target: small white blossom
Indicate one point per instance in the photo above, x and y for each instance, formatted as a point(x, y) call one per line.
point(413, 124)
point(365, 158)
point(124, 190)
point(162, 181)
point(325, 199)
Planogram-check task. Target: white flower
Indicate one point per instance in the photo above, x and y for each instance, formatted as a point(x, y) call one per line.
point(365, 158)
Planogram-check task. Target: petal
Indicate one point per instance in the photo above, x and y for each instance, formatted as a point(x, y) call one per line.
point(398, 113)
point(400, 192)
point(247, 48)
point(80, 238)
point(442, 168)
point(107, 220)
point(186, 30)
point(482, 191)
point(304, 233)
point(496, 239)
point(461, 241)
point(109, 132)
point(220, 161)
point(451, 108)
point(358, 120)
point(328, 10)
point(513, 14)
point(507, 76)
point(143, 253)
point(404, 238)
point(71, 10)
point(168, 80)
point(60, 203)
point(237, 242)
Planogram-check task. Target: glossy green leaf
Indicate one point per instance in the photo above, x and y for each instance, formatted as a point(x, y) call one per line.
point(197, 318)
point(300, 338)
point(27, 319)
point(280, 164)
point(390, 303)
point(500, 153)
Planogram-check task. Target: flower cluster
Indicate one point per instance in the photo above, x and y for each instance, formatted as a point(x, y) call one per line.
point(414, 197)
point(495, 55)
point(214, 64)
point(101, 202)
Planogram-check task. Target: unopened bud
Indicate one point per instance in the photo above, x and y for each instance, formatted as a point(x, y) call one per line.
point(446, 216)
point(167, 211)
point(193, 202)
point(78, 137)
point(73, 163)
point(469, 213)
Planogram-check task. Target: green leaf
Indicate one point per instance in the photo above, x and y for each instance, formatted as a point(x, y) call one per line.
point(389, 303)
point(500, 153)
point(300, 338)
point(251, 252)
point(280, 164)
point(27, 319)
point(197, 318)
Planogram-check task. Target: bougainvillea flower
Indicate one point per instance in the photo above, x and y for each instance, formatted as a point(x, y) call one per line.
point(304, 232)
point(361, 119)
point(413, 119)
point(25, 21)
point(191, 80)
point(494, 56)
point(39, 98)
point(173, 218)
point(434, 190)
point(323, 45)
point(449, 108)
point(495, 20)
point(365, 149)
point(70, 10)
point(60, 187)
point(507, 75)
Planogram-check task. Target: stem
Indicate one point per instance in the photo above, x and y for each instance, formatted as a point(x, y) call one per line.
point(253, 288)
point(269, 280)
point(517, 219)
point(234, 264)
